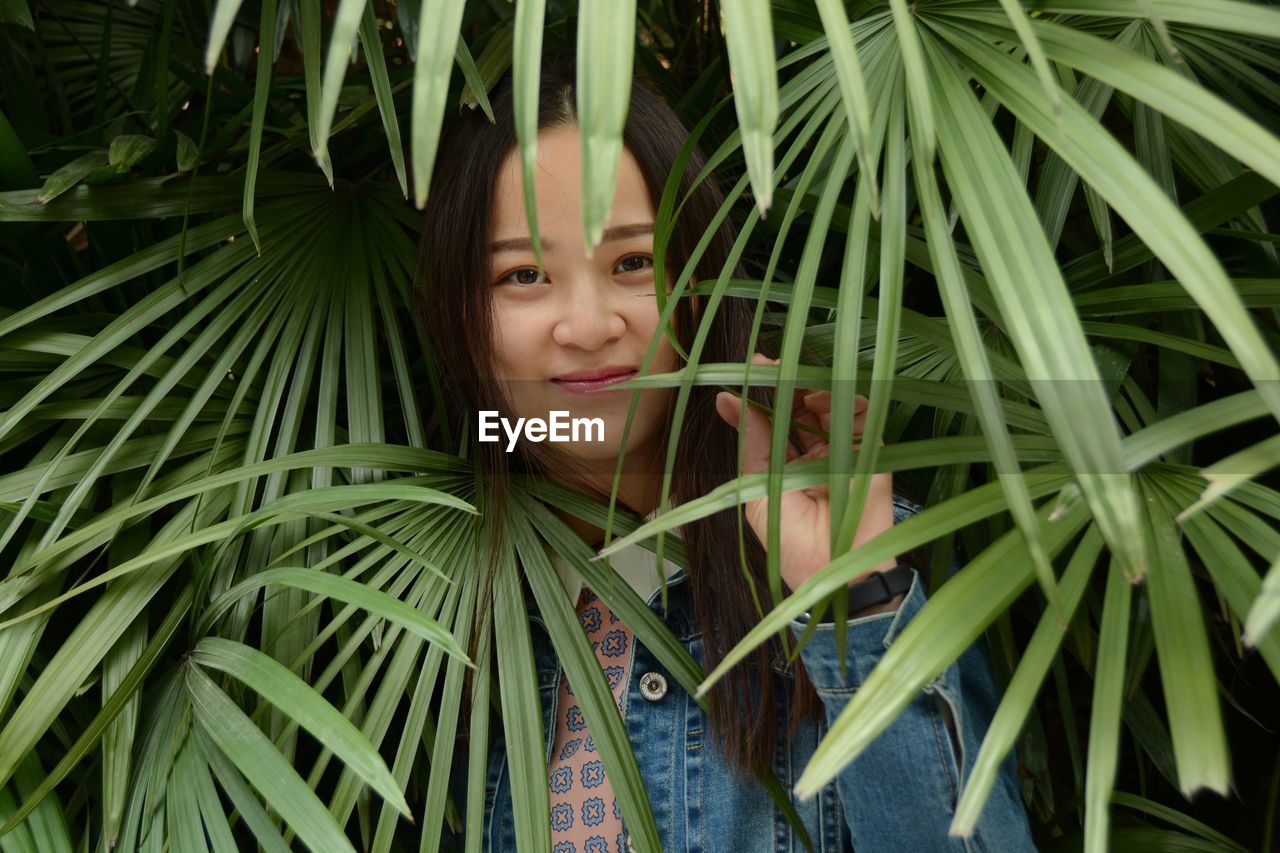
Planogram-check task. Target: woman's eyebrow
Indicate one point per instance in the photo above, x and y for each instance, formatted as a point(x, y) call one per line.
point(626, 232)
point(611, 235)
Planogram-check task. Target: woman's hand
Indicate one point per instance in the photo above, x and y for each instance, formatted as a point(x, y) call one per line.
point(805, 534)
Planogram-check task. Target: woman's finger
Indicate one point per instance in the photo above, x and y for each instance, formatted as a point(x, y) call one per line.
point(810, 414)
point(807, 424)
point(819, 402)
point(756, 435)
point(804, 423)
point(824, 449)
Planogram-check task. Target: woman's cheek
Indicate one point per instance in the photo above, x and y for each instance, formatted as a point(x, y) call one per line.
point(516, 350)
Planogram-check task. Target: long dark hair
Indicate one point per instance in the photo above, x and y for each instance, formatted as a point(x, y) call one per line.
point(453, 293)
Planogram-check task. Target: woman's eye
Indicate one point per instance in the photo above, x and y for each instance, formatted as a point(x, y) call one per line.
point(525, 276)
point(634, 263)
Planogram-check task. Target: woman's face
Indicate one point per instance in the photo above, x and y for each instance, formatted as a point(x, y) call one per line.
point(563, 336)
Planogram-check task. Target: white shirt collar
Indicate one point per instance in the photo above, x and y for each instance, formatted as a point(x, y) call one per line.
point(634, 564)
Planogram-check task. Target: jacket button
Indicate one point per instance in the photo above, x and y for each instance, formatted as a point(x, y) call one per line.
point(653, 686)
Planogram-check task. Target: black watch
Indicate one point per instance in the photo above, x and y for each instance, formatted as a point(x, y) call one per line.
point(877, 588)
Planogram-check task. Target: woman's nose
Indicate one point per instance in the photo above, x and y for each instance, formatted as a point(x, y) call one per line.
point(589, 317)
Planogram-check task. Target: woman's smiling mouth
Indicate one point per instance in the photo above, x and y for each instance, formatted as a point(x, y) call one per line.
point(592, 381)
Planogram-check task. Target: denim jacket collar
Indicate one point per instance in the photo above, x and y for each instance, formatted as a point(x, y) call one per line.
point(633, 564)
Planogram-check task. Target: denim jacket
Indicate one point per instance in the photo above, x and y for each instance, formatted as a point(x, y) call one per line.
point(898, 795)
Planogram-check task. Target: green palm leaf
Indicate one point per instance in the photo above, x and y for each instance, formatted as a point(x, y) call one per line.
point(606, 40)
point(292, 695)
point(253, 754)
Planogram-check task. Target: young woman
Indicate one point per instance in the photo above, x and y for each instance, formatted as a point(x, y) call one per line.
point(525, 343)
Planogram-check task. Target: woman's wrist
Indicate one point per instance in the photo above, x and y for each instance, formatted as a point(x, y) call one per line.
point(884, 566)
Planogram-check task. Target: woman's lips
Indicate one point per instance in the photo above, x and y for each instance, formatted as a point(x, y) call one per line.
point(590, 384)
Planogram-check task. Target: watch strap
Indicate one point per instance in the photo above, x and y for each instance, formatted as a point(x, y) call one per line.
point(877, 588)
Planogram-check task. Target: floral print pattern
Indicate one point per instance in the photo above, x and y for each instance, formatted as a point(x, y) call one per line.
point(585, 816)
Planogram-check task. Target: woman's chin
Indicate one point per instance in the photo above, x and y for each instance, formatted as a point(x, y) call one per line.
point(603, 456)
point(595, 454)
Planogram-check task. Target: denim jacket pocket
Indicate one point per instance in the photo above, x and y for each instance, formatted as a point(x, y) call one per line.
point(927, 749)
point(866, 640)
